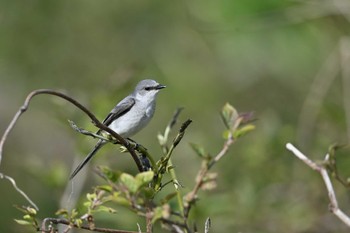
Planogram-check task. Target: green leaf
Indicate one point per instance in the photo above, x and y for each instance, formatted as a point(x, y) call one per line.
point(22, 222)
point(144, 177)
point(117, 198)
point(168, 197)
point(147, 192)
point(21, 208)
point(79, 222)
point(106, 209)
point(106, 188)
point(157, 214)
point(334, 147)
point(229, 115)
point(63, 212)
point(91, 196)
point(130, 182)
point(226, 134)
point(74, 213)
point(123, 149)
point(243, 130)
point(109, 174)
point(27, 217)
point(200, 151)
point(161, 139)
point(31, 211)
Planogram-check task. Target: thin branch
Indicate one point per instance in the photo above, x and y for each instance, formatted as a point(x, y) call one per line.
point(13, 182)
point(89, 133)
point(303, 157)
point(223, 151)
point(66, 222)
point(334, 208)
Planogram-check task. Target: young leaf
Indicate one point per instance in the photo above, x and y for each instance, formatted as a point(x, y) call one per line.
point(90, 196)
point(168, 197)
point(62, 212)
point(157, 214)
point(130, 182)
point(22, 222)
point(144, 177)
point(117, 198)
point(229, 115)
point(227, 134)
point(243, 131)
point(31, 211)
point(106, 188)
point(109, 174)
point(200, 151)
point(106, 209)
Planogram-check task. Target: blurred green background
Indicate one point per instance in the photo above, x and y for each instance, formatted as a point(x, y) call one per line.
point(281, 59)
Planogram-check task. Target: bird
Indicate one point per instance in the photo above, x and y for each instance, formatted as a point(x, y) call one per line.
point(129, 116)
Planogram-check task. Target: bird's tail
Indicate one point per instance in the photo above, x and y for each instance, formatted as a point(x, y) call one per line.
point(87, 158)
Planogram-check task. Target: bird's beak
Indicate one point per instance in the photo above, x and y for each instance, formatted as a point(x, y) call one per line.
point(160, 86)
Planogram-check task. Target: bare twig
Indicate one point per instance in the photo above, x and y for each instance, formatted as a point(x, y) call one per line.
point(89, 133)
point(66, 222)
point(223, 151)
point(334, 208)
point(13, 182)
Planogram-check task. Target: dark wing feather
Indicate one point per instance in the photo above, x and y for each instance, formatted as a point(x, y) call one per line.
point(120, 109)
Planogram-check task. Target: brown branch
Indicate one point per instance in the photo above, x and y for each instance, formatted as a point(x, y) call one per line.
point(334, 208)
point(66, 222)
point(95, 121)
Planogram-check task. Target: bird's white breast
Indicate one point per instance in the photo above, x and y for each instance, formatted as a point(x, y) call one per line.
point(136, 119)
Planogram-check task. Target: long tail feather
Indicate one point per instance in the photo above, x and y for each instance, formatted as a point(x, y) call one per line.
point(87, 158)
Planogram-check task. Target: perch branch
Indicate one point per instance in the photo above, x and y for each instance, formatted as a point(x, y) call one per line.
point(95, 121)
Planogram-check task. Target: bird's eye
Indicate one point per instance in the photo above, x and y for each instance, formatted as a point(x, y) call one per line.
point(147, 88)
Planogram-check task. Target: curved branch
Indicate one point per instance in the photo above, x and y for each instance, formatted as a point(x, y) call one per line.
point(95, 121)
point(13, 182)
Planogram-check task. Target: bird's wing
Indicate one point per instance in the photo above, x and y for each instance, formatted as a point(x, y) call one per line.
point(120, 109)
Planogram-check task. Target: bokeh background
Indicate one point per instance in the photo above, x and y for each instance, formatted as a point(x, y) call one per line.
point(286, 60)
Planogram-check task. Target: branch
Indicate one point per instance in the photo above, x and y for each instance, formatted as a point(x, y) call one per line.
point(334, 208)
point(66, 222)
point(13, 182)
point(95, 121)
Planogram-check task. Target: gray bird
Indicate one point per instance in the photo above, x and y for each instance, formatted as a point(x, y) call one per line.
point(129, 116)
